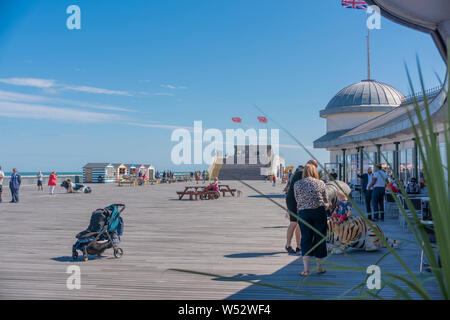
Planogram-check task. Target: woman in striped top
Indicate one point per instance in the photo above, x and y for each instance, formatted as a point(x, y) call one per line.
point(312, 202)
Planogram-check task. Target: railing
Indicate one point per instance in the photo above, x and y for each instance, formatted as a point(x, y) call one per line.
point(32, 180)
point(431, 93)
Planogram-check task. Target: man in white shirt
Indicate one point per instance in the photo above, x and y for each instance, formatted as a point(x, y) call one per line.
point(379, 189)
point(2, 175)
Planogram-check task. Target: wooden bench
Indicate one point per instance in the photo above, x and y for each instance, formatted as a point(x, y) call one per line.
point(227, 189)
point(191, 194)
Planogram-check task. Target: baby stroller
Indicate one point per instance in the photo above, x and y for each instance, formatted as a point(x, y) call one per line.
point(104, 231)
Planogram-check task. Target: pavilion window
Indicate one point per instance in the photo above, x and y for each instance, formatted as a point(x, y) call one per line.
point(354, 164)
point(409, 164)
point(405, 158)
point(368, 160)
point(348, 168)
point(387, 161)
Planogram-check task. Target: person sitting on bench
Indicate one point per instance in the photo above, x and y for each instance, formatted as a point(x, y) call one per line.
point(214, 186)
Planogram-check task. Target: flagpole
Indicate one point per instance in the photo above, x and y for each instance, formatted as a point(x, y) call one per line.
point(368, 54)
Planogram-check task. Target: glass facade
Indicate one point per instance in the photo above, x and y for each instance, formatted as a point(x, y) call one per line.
point(387, 161)
point(406, 164)
point(366, 161)
point(420, 163)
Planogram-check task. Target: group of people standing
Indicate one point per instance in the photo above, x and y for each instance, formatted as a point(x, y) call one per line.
point(373, 185)
point(15, 182)
point(200, 175)
point(51, 181)
point(307, 204)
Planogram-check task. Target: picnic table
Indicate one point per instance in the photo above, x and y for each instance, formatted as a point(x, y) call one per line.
point(197, 192)
point(191, 191)
point(127, 180)
point(224, 188)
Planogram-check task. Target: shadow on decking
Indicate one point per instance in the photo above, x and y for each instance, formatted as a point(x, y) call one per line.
point(271, 196)
point(80, 258)
point(335, 281)
point(253, 254)
point(276, 227)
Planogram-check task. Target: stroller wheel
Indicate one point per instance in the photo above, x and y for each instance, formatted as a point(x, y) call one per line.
point(118, 252)
point(74, 255)
point(85, 254)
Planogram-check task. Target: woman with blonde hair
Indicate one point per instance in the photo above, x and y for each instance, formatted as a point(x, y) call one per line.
point(311, 197)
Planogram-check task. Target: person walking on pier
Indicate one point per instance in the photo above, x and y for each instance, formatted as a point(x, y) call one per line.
point(2, 176)
point(52, 182)
point(14, 185)
point(39, 180)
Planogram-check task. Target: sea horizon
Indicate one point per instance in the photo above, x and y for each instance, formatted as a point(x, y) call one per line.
point(74, 173)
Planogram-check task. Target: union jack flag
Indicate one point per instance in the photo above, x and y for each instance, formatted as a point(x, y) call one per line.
point(354, 4)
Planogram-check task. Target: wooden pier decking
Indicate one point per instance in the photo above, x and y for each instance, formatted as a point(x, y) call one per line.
point(235, 237)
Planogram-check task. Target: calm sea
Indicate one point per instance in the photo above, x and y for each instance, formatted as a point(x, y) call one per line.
point(45, 173)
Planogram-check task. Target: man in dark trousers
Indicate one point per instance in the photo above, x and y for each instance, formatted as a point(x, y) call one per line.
point(378, 185)
point(366, 179)
point(333, 174)
point(14, 185)
point(291, 205)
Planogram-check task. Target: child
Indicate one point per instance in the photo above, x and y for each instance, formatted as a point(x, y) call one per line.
point(343, 208)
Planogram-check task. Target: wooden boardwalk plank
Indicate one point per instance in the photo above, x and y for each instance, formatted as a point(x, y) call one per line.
point(242, 237)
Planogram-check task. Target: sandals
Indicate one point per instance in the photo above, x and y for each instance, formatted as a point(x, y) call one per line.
point(290, 250)
point(305, 273)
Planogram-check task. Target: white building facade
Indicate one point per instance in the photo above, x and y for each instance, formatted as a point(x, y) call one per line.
point(368, 123)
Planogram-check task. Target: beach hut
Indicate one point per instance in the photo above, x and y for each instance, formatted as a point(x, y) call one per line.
point(120, 170)
point(150, 172)
point(132, 169)
point(98, 173)
point(142, 169)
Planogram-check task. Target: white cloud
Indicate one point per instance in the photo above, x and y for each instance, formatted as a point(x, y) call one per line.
point(52, 85)
point(30, 98)
point(169, 86)
point(37, 111)
point(96, 90)
point(159, 126)
point(29, 82)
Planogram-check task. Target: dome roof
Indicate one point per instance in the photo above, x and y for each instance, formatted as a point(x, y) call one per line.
point(368, 93)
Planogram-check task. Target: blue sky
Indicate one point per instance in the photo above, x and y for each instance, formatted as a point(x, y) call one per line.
point(116, 89)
